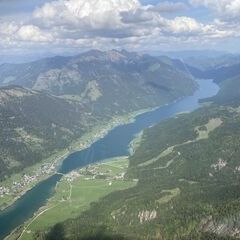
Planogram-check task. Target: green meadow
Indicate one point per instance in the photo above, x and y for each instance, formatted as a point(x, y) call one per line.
point(75, 193)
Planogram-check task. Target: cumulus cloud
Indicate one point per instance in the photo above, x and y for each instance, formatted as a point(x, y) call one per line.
point(186, 27)
point(91, 13)
point(227, 16)
point(186, 24)
point(229, 9)
point(79, 19)
point(8, 28)
point(111, 23)
point(33, 34)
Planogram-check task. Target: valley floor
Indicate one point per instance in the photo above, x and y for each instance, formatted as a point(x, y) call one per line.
point(75, 193)
point(187, 188)
point(18, 184)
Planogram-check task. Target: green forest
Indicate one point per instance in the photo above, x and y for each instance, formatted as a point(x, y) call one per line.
point(188, 184)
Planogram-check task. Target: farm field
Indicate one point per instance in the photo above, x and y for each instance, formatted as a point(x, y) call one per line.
point(75, 193)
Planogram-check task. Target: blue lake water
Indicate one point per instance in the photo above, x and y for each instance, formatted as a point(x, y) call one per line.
point(114, 144)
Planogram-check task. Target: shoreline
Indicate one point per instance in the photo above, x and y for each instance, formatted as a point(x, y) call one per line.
point(111, 124)
point(134, 144)
point(86, 141)
point(74, 147)
point(17, 233)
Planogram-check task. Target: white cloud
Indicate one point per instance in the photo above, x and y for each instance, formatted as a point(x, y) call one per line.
point(8, 28)
point(91, 8)
point(119, 19)
point(91, 13)
point(186, 24)
point(33, 34)
point(229, 9)
point(111, 23)
point(49, 10)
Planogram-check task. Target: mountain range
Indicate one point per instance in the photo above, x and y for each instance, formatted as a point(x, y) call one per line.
point(188, 178)
point(47, 104)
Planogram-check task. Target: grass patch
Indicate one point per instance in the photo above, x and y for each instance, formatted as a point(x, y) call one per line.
point(169, 195)
point(75, 195)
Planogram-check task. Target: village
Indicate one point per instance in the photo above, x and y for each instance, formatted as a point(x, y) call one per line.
point(27, 180)
point(46, 169)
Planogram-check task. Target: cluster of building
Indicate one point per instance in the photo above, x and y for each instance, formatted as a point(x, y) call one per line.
point(4, 191)
point(26, 180)
point(48, 168)
point(72, 176)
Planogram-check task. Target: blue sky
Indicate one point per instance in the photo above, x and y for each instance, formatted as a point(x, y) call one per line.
point(9, 7)
point(67, 26)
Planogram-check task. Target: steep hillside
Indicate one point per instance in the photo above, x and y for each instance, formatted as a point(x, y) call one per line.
point(68, 75)
point(25, 74)
point(63, 97)
point(225, 70)
point(34, 125)
point(218, 68)
point(186, 169)
point(218, 74)
point(188, 173)
point(188, 188)
point(229, 93)
point(108, 81)
point(205, 62)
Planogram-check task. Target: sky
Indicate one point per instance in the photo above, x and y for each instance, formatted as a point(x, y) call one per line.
point(70, 26)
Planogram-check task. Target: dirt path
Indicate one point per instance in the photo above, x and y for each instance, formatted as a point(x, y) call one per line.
point(35, 218)
point(44, 211)
point(113, 166)
point(70, 192)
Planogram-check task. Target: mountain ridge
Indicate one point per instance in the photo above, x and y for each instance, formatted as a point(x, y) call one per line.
point(188, 178)
point(69, 95)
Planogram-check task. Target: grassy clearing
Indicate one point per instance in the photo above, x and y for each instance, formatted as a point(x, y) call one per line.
point(76, 191)
point(113, 166)
point(170, 194)
point(161, 155)
point(208, 128)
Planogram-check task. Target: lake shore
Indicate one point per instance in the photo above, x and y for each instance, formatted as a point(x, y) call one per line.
point(134, 144)
point(140, 123)
point(82, 143)
point(77, 177)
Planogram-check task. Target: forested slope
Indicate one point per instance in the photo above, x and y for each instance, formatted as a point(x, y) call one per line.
point(188, 173)
point(57, 100)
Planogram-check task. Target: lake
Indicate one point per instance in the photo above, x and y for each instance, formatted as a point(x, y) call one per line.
point(114, 144)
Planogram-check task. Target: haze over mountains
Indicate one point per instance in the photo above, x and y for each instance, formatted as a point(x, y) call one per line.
point(47, 104)
point(224, 70)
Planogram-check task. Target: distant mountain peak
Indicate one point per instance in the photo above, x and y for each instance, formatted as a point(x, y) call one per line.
point(72, 75)
point(114, 55)
point(111, 55)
